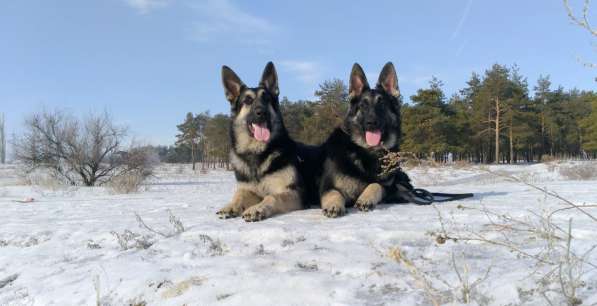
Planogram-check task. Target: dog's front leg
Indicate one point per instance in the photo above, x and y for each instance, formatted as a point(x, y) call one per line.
point(372, 195)
point(273, 204)
point(241, 200)
point(333, 204)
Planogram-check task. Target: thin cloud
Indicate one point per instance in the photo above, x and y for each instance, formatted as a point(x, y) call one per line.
point(306, 71)
point(461, 48)
point(146, 6)
point(222, 18)
point(463, 19)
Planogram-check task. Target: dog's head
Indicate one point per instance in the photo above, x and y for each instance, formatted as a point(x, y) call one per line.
point(373, 119)
point(256, 117)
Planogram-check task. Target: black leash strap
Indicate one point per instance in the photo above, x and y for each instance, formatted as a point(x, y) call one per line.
point(423, 197)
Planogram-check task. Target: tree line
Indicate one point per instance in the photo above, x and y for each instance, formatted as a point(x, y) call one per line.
point(493, 119)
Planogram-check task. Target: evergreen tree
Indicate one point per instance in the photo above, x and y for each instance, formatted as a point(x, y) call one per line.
point(189, 135)
point(328, 111)
point(216, 135)
point(541, 100)
point(426, 123)
point(295, 116)
point(589, 126)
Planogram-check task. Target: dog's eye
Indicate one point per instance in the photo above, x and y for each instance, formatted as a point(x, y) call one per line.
point(247, 100)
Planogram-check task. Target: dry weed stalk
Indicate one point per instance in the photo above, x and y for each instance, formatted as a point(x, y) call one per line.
point(420, 278)
point(174, 221)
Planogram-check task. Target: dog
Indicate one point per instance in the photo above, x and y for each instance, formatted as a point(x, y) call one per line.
point(269, 166)
point(351, 166)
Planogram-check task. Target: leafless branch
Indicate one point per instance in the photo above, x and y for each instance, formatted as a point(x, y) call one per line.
point(582, 21)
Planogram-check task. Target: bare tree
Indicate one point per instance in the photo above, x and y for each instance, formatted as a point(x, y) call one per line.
point(2, 140)
point(583, 22)
point(86, 152)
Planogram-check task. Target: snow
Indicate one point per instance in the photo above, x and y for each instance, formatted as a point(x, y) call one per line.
point(61, 249)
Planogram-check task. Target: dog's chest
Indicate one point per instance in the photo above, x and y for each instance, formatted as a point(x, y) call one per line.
point(366, 165)
point(258, 177)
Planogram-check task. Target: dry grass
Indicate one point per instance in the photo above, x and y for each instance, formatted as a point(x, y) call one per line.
point(560, 270)
point(579, 172)
point(546, 158)
point(127, 183)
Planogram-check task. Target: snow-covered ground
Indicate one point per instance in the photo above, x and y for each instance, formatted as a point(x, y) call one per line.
point(62, 249)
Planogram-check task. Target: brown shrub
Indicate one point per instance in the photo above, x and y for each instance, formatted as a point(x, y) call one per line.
point(580, 172)
point(127, 183)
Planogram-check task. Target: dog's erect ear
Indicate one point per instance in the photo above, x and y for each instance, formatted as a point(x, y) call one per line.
point(269, 79)
point(388, 80)
point(232, 84)
point(358, 81)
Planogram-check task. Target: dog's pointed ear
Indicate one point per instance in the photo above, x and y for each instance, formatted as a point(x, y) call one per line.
point(358, 81)
point(388, 80)
point(269, 79)
point(232, 84)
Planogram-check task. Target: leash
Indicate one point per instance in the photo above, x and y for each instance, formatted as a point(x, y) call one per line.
point(423, 197)
point(389, 168)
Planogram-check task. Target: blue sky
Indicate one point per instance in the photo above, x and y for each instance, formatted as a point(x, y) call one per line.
point(148, 62)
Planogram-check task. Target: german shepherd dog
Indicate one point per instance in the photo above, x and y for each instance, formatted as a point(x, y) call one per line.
point(351, 154)
point(264, 158)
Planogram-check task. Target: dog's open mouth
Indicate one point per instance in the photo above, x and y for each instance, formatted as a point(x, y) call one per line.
point(260, 131)
point(373, 138)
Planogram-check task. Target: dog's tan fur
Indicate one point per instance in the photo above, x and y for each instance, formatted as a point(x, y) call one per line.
point(272, 195)
point(333, 204)
point(370, 197)
point(241, 200)
point(273, 204)
point(350, 186)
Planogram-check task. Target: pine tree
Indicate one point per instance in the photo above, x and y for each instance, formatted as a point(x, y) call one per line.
point(589, 126)
point(295, 116)
point(328, 111)
point(541, 99)
point(426, 123)
point(189, 135)
point(216, 137)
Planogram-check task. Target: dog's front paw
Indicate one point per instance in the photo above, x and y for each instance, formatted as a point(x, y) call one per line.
point(334, 211)
point(228, 212)
point(365, 206)
point(369, 197)
point(255, 213)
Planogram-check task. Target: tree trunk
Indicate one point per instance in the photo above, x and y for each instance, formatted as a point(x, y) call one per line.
point(203, 155)
point(487, 157)
point(511, 145)
point(193, 154)
point(542, 133)
point(497, 130)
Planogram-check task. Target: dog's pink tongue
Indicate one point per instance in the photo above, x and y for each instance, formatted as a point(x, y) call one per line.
point(373, 137)
point(261, 132)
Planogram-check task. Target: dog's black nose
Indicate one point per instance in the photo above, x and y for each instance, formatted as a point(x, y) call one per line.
point(259, 112)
